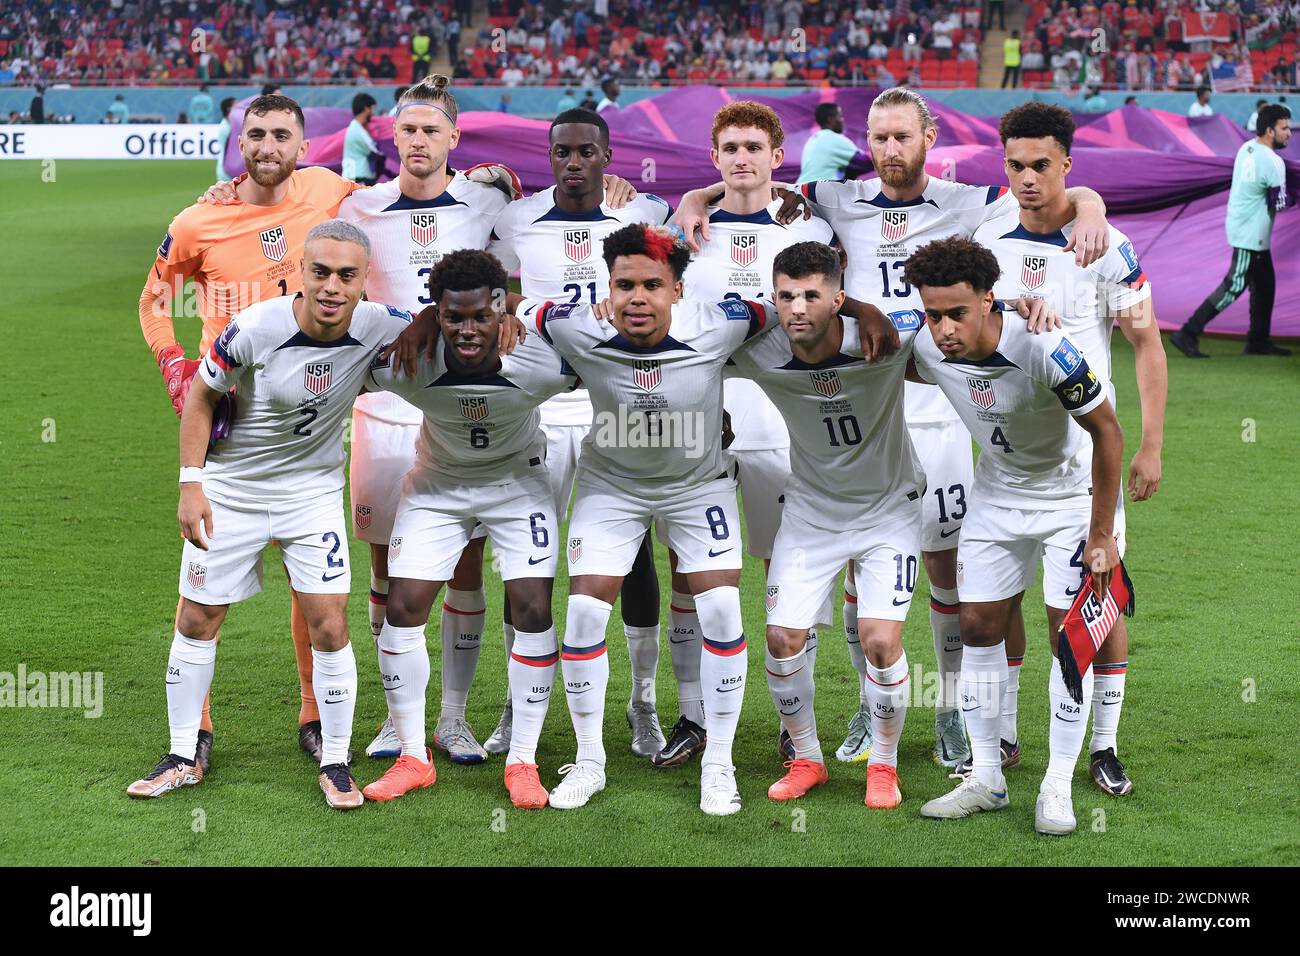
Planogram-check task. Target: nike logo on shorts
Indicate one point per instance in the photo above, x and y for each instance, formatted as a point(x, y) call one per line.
point(948, 534)
point(898, 603)
point(715, 554)
point(537, 560)
point(331, 577)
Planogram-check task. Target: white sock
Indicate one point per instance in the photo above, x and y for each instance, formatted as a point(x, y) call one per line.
point(1107, 702)
point(586, 673)
point(404, 665)
point(945, 628)
point(1010, 701)
point(1068, 722)
point(532, 673)
point(378, 604)
point(334, 681)
point(790, 682)
point(508, 633)
point(462, 635)
point(810, 648)
point(887, 692)
point(643, 652)
point(684, 649)
point(983, 677)
point(189, 676)
point(856, 657)
point(723, 662)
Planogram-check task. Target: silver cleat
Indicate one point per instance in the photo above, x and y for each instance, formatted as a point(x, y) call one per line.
point(857, 745)
point(950, 747)
point(499, 742)
point(647, 737)
point(455, 738)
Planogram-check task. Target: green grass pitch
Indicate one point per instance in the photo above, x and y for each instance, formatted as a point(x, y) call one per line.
point(88, 561)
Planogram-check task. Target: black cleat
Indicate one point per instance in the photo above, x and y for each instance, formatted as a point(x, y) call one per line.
point(1108, 773)
point(311, 742)
point(1010, 758)
point(784, 745)
point(203, 751)
point(1185, 342)
point(1266, 349)
point(686, 740)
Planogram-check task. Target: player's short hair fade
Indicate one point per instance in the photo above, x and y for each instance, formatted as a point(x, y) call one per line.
point(436, 89)
point(655, 242)
point(276, 103)
point(339, 230)
point(902, 96)
point(1269, 116)
point(747, 113)
point(580, 117)
point(952, 261)
point(805, 259)
point(1036, 120)
point(465, 270)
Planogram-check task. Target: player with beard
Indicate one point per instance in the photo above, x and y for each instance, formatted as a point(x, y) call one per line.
point(237, 256)
point(880, 222)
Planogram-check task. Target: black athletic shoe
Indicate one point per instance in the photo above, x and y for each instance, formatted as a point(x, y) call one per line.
point(784, 745)
point(203, 752)
point(1108, 773)
point(311, 742)
point(1185, 342)
point(1010, 758)
point(686, 740)
point(1269, 349)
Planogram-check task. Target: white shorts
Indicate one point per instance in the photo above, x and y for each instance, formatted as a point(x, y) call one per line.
point(763, 473)
point(563, 446)
point(1001, 547)
point(313, 538)
point(437, 518)
point(382, 454)
point(702, 527)
point(943, 450)
point(807, 562)
point(1121, 524)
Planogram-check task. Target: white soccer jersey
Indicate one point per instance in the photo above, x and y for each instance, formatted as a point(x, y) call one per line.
point(657, 429)
point(295, 395)
point(1017, 403)
point(560, 259)
point(736, 263)
point(880, 234)
point(481, 429)
point(407, 238)
point(850, 455)
point(1085, 299)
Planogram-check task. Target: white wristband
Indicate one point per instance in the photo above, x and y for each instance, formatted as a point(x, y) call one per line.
point(190, 473)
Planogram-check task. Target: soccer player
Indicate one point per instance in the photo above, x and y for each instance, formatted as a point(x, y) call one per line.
point(879, 223)
point(1029, 244)
point(1035, 498)
point(854, 496)
point(480, 460)
point(554, 238)
point(239, 255)
point(299, 361)
point(736, 263)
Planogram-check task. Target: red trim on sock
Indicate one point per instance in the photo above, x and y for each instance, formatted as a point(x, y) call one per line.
point(1015, 661)
point(895, 684)
point(537, 662)
point(944, 608)
point(1109, 670)
point(851, 598)
point(729, 652)
point(456, 610)
point(784, 675)
point(589, 656)
point(682, 610)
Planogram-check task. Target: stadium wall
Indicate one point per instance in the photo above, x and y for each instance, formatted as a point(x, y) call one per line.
point(89, 104)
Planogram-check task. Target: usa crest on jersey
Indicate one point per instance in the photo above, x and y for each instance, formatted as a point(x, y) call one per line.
point(981, 392)
point(196, 574)
point(316, 376)
point(424, 227)
point(577, 244)
point(893, 225)
point(744, 248)
point(475, 408)
point(274, 245)
point(646, 374)
point(575, 549)
point(364, 514)
point(826, 382)
point(1033, 271)
point(394, 548)
point(773, 593)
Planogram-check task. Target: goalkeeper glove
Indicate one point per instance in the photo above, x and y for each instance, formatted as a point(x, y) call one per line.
point(498, 175)
point(177, 373)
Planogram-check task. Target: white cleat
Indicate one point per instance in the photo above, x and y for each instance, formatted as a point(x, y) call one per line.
point(454, 737)
point(1054, 814)
point(969, 797)
point(499, 742)
point(581, 782)
point(386, 743)
point(718, 794)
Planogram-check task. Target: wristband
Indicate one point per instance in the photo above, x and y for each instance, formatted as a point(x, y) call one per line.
point(191, 473)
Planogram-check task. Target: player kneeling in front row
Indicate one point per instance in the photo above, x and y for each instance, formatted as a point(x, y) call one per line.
point(299, 362)
point(1034, 498)
point(480, 457)
point(854, 496)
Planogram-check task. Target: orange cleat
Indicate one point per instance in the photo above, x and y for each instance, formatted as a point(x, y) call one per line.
point(882, 787)
point(801, 776)
point(526, 790)
point(405, 775)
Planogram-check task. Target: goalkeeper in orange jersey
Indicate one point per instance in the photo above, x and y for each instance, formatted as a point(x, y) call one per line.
point(238, 255)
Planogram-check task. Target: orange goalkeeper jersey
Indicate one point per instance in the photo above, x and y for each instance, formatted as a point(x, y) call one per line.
point(237, 255)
